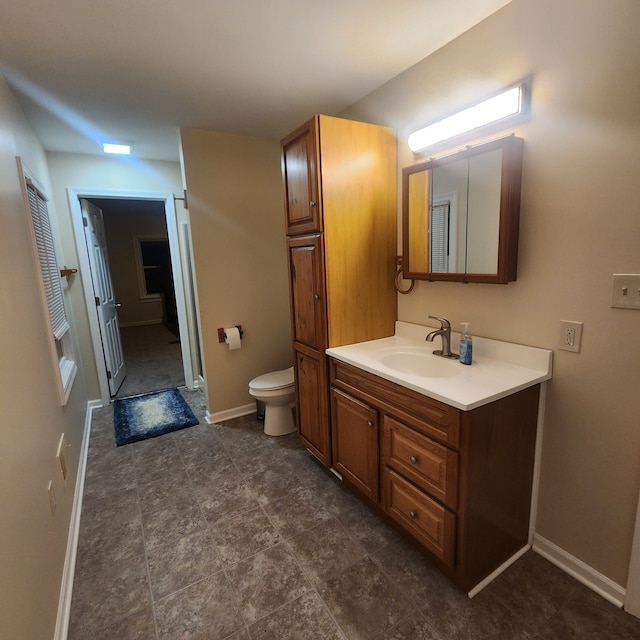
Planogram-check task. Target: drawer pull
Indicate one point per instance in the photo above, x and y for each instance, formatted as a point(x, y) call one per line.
point(413, 460)
point(413, 515)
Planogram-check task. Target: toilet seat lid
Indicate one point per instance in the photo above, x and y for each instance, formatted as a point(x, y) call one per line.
point(274, 380)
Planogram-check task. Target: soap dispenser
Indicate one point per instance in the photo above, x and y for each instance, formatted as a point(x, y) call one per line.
point(466, 344)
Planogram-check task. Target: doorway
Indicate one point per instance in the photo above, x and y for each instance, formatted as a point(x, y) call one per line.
point(159, 299)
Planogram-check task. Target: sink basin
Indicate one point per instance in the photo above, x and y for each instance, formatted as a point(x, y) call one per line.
point(418, 361)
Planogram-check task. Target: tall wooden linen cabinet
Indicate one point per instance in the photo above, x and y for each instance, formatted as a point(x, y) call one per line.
point(340, 203)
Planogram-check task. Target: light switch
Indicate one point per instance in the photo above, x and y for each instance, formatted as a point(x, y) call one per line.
point(626, 291)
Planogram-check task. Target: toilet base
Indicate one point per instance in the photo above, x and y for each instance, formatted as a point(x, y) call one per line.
point(278, 420)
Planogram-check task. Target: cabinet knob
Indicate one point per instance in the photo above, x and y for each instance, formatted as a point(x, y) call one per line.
point(312, 204)
point(316, 296)
point(413, 515)
point(370, 424)
point(413, 460)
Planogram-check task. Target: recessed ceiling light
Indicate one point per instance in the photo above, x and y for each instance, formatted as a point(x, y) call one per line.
point(120, 149)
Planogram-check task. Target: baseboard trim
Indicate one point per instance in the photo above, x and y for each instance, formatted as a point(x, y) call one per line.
point(228, 414)
point(66, 586)
point(494, 574)
point(198, 383)
point(581, 571)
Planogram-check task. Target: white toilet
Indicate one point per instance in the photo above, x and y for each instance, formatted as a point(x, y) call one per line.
point(277, 391)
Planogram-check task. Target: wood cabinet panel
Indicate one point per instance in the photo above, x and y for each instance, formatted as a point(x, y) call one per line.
point(431, 523)
point(312, 405)
point(300, 174)
point(432, 466)
point(307, 291)
point(354, 430)
point(358, 160)
point(496, 482)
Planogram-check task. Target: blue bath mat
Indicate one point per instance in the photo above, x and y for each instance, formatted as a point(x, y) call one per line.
point(150, 414)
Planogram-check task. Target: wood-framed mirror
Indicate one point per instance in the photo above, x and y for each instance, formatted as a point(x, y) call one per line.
point(461, 212)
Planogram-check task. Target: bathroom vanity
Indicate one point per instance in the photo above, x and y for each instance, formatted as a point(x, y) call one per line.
point(446, 451)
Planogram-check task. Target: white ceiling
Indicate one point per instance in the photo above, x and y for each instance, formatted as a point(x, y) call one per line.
point(137, 70)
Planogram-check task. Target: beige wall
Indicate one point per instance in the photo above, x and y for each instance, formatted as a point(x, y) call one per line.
point(579, 225)
point(104, 173)
point(32, 541)
point(237, 223)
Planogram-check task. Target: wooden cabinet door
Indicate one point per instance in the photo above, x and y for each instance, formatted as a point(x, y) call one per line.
point(312, 404)
point(307, 292)
point(301, 183)
point(354, 431)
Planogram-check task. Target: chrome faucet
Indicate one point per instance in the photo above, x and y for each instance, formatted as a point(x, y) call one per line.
point(445, 332)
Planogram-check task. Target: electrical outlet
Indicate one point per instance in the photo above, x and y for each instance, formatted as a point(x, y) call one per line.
point(626, 291)
point(51, 492)
point(570, 336)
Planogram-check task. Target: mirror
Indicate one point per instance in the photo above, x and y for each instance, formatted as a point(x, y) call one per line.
point(461, 213)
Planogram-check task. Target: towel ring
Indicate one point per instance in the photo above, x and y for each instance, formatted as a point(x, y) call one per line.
point(399, 289)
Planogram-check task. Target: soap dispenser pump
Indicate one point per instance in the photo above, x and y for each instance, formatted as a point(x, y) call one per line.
point(466, 344)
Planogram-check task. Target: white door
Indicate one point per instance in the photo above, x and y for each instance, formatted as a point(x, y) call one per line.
point(103, 293)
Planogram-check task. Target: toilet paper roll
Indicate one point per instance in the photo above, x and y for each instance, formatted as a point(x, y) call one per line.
point(232, 338)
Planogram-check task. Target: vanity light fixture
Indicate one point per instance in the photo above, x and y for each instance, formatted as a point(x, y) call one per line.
point(118, 149)
point(507, 104)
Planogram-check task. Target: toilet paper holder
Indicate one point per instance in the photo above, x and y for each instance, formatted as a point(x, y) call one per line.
point(222, 336)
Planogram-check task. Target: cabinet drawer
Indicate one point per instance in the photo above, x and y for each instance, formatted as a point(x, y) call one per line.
point(430, 465)
point(429, 522)
point(431, 417)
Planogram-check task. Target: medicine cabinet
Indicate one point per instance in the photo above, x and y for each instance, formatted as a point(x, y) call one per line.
point(460, 214)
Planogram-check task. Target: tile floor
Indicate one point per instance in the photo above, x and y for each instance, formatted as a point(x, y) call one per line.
point(219, 532)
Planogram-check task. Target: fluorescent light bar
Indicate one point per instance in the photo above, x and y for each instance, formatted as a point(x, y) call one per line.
point(121, 149)
point(505, 104)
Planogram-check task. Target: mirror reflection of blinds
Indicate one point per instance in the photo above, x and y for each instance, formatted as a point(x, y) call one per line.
point(439, 232)
point(48, 263)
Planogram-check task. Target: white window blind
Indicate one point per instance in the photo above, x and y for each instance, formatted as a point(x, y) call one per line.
point(48, 263)
point(439, 219)
point(52, 294)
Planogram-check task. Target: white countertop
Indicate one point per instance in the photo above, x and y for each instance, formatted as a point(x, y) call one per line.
point(498, 370)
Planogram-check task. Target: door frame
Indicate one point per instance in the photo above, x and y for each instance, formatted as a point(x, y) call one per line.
point(74, 195)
